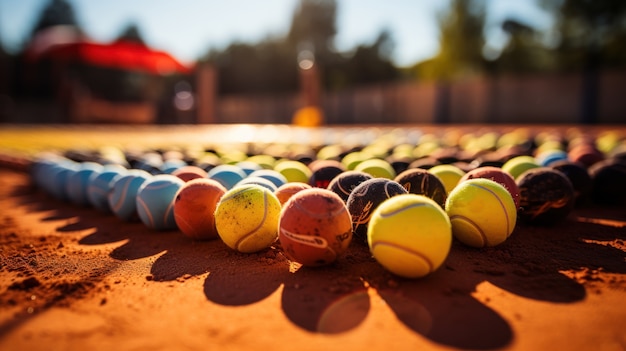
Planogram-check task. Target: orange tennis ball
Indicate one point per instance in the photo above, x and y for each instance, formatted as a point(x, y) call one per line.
point(315, 227)
point(194, 208)
point(287, 190)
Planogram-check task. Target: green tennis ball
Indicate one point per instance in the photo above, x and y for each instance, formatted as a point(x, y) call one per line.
point(377, 168)
point(519, 164)
point(448, 174)
point(246, 218)
point(410, 235)
point(482, 212)
point(294, 171)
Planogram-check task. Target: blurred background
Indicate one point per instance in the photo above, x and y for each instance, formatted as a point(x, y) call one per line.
point(313, 62)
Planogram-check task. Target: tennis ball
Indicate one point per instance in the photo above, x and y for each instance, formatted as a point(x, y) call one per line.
point(227, 175)
point(344, 183)
point(377, 168)
point(409, 235)
point(448, 174)
point(365, 198)
point(246, 218)
point(155, 201)
point(323, 171)
point(265, 161)
point(100, 186)
point(273, 176)
point(482, 212)
point(187, 173)
point(546, 196)
point(123, 195)
point(421, 182)
point(77, 182)
point(248, 166)
point(264, 182)
point(287, 190)
point(194, 208)
point(293, 171)
point(58, 177)
point(315, 227)
point(497, 175)
point(519, 164)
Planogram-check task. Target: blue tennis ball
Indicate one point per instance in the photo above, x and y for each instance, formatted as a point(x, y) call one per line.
point(155, 201)
point(273, 176)
point(248, 166)
point(100, 186)
point(267, 184)
point(123, 196)
point(77, 183)
point(227, 175)
point(59, 177)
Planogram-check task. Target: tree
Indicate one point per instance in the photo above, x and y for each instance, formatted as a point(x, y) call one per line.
point(57, 12)
point(591, 32)
point(460, 45)
point(131, 33)
point(524, 52)
point(314, 25)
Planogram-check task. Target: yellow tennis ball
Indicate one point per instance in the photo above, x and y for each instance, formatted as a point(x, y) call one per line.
point(246, 218)
point(482, 212)
point(409, 235)
point(448, 174)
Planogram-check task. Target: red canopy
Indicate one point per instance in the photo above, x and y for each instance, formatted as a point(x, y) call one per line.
point(121, 54)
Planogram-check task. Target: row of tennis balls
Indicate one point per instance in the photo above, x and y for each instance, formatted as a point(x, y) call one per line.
point(246, 217)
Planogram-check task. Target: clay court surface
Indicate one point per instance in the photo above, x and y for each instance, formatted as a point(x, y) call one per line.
point(74, 278)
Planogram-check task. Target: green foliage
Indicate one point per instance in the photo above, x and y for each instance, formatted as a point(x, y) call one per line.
point(460, 45)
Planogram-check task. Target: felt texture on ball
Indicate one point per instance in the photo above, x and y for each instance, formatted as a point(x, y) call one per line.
point(546, 196)
point(324, 171)
point(264, 182)
point(344, 183)
point(377, 168)
point(155, 201)
point(194, 208)
point(293, 171)
point(246, 218)
point(581, 180)
point(101, 184)
point(227, 175)
point(315, 227)
point(365, 198)
point(77, 183)
point(609, 182)
point(497, 175)
point(187, 173)
point(123, 195)
point(286, 191)
point(482, 212)
point(420, 181)
point(59, 175)
point(450, 175)
point(518, 165)
point(273, 176)
point(410, 235)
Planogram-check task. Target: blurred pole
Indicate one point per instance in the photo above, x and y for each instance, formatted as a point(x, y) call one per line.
point(206, 76)
point(309, 114)
point(442, 102)
point(310, 86)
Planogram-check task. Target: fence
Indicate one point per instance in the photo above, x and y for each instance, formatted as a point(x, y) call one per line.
point(555, 98)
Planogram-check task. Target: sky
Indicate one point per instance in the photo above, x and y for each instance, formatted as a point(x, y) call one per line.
point(189, 28)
